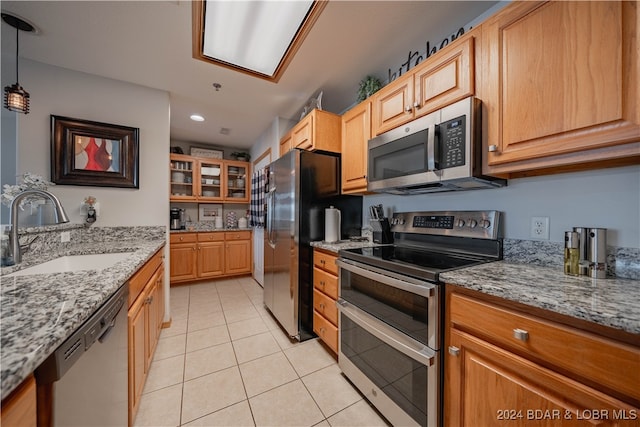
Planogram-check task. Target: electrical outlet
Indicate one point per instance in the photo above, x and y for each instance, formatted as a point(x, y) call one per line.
point(65, 236)
point(540, 227)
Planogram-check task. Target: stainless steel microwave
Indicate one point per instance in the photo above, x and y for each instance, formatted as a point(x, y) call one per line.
point(440, 151)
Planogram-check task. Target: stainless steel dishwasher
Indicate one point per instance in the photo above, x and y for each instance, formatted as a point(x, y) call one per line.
point(84, 382)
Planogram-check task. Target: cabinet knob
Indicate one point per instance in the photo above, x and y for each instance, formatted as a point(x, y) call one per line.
point(520, 334)
point(322, 305)
point(407, 108)
point(194, 248)
point(493, 148)
point(322, 283)
point(416, 104)
point(454, 351)
point(181, 238)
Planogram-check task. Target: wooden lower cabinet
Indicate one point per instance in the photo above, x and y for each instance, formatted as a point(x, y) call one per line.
point(19, 408)
point(145, 318)
point(206, 255)
point(534, 375)
point(325, 294)
point(183, 257)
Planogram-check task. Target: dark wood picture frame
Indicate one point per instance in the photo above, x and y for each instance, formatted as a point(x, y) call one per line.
point(73, 163)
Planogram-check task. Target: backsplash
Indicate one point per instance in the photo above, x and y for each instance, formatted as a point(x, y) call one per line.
point(621, 262)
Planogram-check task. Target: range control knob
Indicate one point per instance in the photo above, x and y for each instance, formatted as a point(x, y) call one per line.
point(401, 221)
point(485, 223)
point(461, 223)
point(473, 223)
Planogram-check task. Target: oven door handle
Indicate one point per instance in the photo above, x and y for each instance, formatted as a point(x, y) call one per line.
point(388, 334)
point(425, 289)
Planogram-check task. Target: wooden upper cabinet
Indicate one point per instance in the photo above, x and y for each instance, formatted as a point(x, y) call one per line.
point(356, 132)
point(286, 144)
point(301, 134)
point(318, 130)
point(447, 78)
point(560, 84)
point(392, 105)
point(444, 78)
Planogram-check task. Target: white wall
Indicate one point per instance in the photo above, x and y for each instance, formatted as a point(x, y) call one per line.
point(64, 92)
point(607, 198)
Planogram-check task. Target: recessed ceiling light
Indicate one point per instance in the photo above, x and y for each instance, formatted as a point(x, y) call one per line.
point(197, 118)
point(225, 131)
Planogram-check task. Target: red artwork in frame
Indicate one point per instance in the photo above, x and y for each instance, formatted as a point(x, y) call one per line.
point(92, 153)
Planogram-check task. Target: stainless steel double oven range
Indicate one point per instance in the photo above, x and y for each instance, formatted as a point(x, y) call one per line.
point(391, 306)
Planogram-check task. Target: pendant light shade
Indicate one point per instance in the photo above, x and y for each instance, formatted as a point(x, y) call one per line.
point(15, 97)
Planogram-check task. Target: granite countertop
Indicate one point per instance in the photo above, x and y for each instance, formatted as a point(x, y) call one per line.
point(610, 302)
point(38, 312)
point(343, 244)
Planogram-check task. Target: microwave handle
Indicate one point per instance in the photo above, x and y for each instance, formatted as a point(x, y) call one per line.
point(431, 148)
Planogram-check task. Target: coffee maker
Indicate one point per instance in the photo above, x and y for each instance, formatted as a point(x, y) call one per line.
point(176, 219)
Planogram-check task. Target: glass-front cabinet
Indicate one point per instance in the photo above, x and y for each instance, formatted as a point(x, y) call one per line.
point(195, 179)
point(211, 180)
point(237, 174)
point(183, 186)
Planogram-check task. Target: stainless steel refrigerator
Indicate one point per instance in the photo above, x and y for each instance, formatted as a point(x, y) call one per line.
point(301, 185)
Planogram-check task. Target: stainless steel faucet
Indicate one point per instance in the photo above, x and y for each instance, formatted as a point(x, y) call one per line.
point(60, 214)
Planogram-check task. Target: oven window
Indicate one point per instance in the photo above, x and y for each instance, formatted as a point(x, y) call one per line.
point(401, 378)
point(404, 156)
point(403, 310)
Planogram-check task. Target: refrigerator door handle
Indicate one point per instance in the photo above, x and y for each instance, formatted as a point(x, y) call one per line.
point(270, 212)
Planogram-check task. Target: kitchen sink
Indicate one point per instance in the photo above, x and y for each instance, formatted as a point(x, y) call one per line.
point(74, 263)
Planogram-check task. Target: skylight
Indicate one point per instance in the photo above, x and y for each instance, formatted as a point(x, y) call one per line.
point(255, 37)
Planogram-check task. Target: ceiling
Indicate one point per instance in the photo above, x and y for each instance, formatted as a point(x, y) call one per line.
point(149, 43)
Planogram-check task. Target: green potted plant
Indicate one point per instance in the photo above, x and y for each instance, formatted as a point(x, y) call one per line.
point(238, 155)
point(368, 86)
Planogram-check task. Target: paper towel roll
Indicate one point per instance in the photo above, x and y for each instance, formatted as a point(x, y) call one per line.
point(331, 225)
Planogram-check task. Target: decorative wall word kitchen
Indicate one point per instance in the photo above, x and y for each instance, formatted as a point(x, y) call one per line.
point(93, 153)
point(414, 58)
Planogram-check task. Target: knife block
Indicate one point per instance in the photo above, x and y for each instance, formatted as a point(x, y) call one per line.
point(381, 231)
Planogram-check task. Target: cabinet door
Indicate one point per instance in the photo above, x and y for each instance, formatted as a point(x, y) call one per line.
point(392, 105)
point(183, 180)
point(237, 182)
point(521, 393)
point(182, 261)
point(160, 300)
point(356, 132)
point(238, 257)
point(19, 408)
point(210, 179)
point(286, 144)
point(445, 78)
point(560, 84)
point(151, 321)
point(210, 259)
point(302, 133)
point(137, 356)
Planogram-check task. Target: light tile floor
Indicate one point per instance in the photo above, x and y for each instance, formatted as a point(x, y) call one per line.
point(226, 362)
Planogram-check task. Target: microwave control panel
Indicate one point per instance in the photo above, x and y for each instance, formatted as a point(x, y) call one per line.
point(452, 143)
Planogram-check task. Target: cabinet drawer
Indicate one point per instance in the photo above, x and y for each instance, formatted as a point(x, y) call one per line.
point(325, 261)
point(326, 283)
point(211, 237)
point(140, 279)
point(325, 306)
point(183, 237)
point(326, 331)
point(589, 356)
point(237, 235)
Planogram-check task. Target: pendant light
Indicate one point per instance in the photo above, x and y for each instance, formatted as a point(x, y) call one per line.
point(15, 97)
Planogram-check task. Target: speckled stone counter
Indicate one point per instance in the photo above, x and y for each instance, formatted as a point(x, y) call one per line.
point(609, 302)
point(342, 244)
point(38, 312)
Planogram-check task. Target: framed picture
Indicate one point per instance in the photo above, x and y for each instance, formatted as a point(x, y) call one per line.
point(206, 152)
point(208, 212)
point(92, 153)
